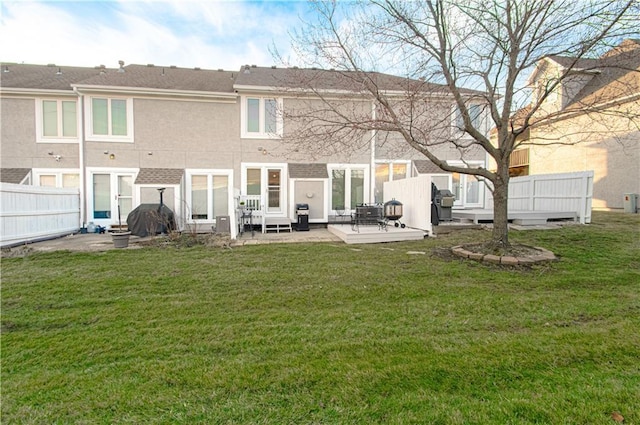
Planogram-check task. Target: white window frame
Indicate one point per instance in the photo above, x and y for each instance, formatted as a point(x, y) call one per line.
point(462, 202)
point(57, 172)
point(60, 138)
point(456, 119)
point(210, 173)
point(264, 179)
point(261, 134)
point(389, 164)
point(90, 136)
point(347, 190)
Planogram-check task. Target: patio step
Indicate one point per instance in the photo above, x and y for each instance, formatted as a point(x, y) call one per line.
point(277, 224)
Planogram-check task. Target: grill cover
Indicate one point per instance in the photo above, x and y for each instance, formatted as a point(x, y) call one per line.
point(150, 218)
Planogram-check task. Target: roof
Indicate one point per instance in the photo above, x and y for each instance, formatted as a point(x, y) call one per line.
point(425, 166)
point(322, 79)
point(44, 77)
point(308, 171)
point(618, 76)
point(13, 175)
point(159, 176)
point(54, 77)
point(615, 76)
point(580, 64)
point(164, 78)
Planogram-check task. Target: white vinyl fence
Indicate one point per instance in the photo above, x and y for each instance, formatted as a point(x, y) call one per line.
point(30, 213)
point(415, 195)
point(552, 192)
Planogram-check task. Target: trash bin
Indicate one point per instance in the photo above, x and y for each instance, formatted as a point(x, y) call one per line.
point(302, 212)
point(223, 224)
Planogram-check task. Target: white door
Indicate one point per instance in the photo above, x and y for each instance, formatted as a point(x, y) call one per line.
point(267, 181)
point(112, 198)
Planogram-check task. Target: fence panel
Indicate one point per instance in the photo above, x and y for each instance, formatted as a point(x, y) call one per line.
point(30, 213)
point(415, 195)
point(552, 192)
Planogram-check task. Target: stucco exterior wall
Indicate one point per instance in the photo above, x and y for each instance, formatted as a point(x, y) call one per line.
point(175, 134)
point(610, 147)
point(19, 149)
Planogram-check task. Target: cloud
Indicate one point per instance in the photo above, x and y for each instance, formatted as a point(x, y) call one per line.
point(182, 33)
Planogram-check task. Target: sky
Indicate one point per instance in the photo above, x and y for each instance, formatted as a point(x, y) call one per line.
point(206, 34)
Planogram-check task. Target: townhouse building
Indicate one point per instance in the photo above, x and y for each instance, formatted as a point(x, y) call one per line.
point(210, 138)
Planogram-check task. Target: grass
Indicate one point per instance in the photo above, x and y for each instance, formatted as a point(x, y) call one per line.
point(327, 334)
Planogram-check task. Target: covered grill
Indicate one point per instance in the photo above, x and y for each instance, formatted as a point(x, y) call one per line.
point(151, 219)
point(393, 212)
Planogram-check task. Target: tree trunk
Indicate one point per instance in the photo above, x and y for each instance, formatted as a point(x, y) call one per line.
point(500, 236)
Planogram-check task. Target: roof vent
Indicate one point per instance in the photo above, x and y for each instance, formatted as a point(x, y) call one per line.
point(247, 70)
point(162, 72)
point(121, 63)
point(150, 65)
point(173, 67)
point(197, 68)
point(51, 65)
point(6, 69)
point(273, 67)
point(220, 69)
point(253, 66)
point(59, 71)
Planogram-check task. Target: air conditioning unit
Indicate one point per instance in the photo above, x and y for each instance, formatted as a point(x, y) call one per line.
point(630, 203)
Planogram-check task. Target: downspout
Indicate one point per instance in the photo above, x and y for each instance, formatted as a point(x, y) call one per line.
point(81, 153)
point(372, 165)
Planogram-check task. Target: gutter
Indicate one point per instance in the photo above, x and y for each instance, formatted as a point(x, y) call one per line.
point(31, 92)
point(222, 96)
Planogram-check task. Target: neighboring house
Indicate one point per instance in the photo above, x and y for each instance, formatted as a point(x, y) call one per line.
point(209, 137)
point(591, 121)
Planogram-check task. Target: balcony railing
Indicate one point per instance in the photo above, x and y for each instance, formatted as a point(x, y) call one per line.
point(519, 158)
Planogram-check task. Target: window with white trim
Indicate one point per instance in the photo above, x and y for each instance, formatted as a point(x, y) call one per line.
point(467, 189)
point(261, 117)
point(109, 119)
point(68, 178)
point(389, 171)
point(57, 120)
point(348, 187)
point(208, 194)
point(478, 118)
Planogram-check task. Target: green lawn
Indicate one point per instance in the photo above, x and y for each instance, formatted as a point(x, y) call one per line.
point(327, 333)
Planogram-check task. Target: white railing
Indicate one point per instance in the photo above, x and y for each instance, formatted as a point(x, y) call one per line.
point(255, 204)
point(30, 213)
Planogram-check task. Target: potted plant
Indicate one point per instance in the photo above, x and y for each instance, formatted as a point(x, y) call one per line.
point(120, 237)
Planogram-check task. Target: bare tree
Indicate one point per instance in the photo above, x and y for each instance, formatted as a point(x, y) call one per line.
point(459, 58)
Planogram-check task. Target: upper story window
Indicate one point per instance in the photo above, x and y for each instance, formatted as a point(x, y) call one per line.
point(261, 117)
point(57, 120)
point(477, 115)
point(110, 119)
